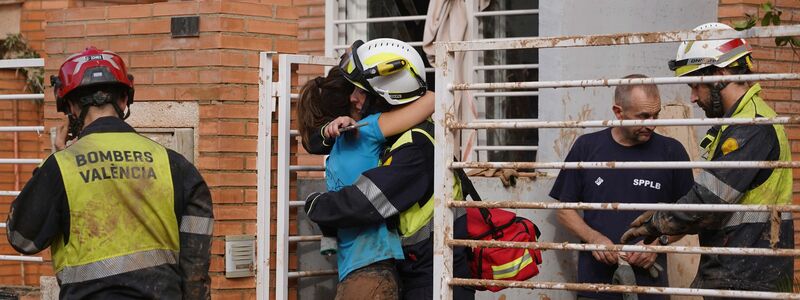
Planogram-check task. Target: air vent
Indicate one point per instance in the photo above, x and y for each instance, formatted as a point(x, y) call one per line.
point(240, 254)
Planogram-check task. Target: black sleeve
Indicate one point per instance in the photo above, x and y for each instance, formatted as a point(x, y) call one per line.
point(723, 186)
point(39, 213)
point(317, 144)
point(196, 220)
point(380, 193)
point(568, 186)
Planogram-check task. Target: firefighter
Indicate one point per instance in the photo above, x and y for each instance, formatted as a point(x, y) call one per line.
point(125, 218)
point(731, 186)
point(400, 190)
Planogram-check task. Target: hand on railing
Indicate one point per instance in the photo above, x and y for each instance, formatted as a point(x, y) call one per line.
point(604, 256)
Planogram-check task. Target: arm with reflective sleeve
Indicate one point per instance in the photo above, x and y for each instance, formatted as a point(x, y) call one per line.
point(379, 193)
point(716, 186)
point(196, 227)
point(39, 213)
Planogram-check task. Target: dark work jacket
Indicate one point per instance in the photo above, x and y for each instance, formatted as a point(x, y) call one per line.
point(740, 186)
point(40, 215)
point(408, 180)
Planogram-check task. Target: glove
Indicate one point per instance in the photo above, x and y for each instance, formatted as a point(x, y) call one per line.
point(310, 201)
point(624, 275)
point(507, 176)
point(642, 227)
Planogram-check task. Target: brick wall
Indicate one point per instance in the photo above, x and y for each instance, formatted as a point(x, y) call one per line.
point(218, 70)
point(311, 38)
point(783, 96)
point(27, 113)
point(13, 177)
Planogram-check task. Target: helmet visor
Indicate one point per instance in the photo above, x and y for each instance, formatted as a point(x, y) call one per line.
point(351, 67)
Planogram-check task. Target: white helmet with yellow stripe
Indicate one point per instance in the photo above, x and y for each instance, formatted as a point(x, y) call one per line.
point(697, 55)
point(388, 68)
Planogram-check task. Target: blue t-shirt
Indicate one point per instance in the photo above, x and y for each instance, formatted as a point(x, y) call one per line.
point(353, 153)
point(620, 185)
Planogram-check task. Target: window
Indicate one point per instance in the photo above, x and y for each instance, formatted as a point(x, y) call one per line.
point(509, 107)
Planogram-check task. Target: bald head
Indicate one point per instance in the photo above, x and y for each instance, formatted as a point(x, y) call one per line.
point(623, 93)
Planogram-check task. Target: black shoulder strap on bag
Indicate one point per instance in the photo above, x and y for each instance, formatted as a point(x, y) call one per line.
point(468, 189)
point(466, 185)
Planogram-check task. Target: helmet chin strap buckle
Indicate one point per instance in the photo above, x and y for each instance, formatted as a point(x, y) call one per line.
point(717, 110)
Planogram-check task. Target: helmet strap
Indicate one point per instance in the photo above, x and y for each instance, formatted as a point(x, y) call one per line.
point(97, 98)
point(120, 113)
point(717, 110)
point(366, 109)
point(76, 122)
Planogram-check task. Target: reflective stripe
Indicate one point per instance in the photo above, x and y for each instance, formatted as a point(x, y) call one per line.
point(197, 225)
point(117, 265)
point(22, 243)
point(376, 197)
point(730, 55)
point(511, 269)
point(718, 187)
point(422, 234)
point(750, 217)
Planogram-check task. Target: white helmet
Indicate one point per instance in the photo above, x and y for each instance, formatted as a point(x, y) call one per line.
point(696, 55)
point(388, 68)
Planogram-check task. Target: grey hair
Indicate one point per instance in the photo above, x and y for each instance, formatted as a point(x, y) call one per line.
point(622, 94)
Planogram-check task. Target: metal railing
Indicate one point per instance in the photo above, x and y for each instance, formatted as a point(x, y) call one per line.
point(16, 64)
point(447, 125)
point(270, 92)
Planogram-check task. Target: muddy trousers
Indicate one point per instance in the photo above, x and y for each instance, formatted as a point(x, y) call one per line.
point(378, 281)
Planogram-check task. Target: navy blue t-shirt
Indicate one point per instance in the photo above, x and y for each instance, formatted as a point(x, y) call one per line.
point(620, 185)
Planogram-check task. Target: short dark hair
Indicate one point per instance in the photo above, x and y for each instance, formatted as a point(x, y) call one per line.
point(622, 94)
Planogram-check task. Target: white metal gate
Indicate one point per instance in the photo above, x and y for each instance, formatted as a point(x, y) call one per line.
point(270, 92)
point(448, 123)
point(16, 64)
point(446, 145)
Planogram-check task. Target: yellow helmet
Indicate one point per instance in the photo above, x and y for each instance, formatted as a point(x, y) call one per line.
point(388, 68)
point(693, 56)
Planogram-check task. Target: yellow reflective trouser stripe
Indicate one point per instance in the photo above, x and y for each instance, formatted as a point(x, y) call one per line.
point(511, 269)
point(422, 234)
point(117, 265)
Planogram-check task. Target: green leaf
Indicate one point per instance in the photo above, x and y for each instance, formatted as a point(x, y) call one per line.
point(741, 25)
point(796, 41)
point(766, 6)
point(767, 18)
point(776, 19)
point(782, 41)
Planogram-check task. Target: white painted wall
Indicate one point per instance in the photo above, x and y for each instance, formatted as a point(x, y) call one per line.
point(607, 17)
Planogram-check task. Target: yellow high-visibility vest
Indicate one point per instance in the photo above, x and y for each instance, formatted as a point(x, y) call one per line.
point(777, 189)
point(121, 207)
point(418, 216)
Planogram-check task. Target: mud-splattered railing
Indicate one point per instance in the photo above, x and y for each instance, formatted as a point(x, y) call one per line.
point(270, 94)
point(447, 124)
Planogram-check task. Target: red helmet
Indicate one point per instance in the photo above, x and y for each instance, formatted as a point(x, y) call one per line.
point(92, 67)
